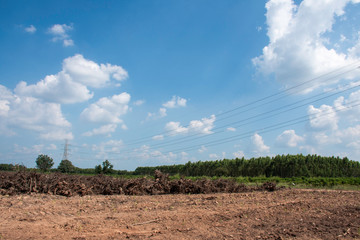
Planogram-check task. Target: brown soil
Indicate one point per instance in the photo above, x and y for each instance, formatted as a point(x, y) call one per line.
point(282, 214)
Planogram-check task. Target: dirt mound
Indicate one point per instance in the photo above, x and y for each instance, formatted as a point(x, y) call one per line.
point(68, 185)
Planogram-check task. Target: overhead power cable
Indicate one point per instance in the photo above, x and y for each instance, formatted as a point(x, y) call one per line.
point(255, 118)
point(262, 130)
point(351, 66)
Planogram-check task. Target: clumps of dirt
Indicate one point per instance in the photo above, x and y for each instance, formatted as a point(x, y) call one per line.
point(69, 185)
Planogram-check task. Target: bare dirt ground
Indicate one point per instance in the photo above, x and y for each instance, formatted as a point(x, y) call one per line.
point(281, 214)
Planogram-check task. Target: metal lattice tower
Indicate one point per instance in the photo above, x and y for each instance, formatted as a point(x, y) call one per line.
point(66, 149)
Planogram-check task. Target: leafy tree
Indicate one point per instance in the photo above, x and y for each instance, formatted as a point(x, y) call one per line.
point(44, 162)
point(66, 166)
point(98, 169)
point(106, 168)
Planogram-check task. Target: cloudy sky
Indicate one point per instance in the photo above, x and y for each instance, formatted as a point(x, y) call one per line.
point(145, 83)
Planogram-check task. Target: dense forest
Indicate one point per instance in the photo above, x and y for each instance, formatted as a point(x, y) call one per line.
point(279, 166)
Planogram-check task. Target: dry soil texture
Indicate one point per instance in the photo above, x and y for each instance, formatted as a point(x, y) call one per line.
point(282, 214)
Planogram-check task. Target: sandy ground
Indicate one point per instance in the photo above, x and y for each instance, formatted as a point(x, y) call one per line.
point(283, 214)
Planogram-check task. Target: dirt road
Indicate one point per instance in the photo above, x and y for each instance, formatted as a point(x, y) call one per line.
point(283, 214)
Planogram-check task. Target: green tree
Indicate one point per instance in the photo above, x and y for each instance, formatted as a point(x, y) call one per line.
point(44, 162)
point(66, 166)
point(98, 169)
point(106, 168)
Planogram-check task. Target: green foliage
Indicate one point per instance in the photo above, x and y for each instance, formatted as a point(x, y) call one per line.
point(106, 168)
point(284, 166)
point(66, 166)
point(98, 169)
point(44, 162)
point(6, 167)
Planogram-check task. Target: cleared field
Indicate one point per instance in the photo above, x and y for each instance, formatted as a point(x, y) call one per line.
point(282, 214)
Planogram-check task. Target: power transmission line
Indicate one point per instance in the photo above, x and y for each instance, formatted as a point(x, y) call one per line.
point(147, 138)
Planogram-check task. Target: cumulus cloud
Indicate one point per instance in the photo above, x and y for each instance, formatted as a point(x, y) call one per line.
point(57, 135)
point(349, 106)
point(259, 146)
point(105, 148)
point(289, 139)
point(103, 130)
point(145, 153)
point(71, 84)
point(323, 118)
point(32, 114)
point(30, 29)
point(90, 73)
point(160, 114)
point(175, 102)
point(107, 110)
point(204, 126)
point(297, 49)
point(60, 33)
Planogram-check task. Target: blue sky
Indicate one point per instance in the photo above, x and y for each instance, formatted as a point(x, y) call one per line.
point(145, 83)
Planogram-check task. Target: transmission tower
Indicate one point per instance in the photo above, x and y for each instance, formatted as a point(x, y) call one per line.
point(66, 149)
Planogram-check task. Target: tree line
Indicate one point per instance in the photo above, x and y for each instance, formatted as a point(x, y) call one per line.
point(284, 166)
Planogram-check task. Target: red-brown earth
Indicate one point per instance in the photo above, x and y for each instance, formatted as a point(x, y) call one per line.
point(247, 214)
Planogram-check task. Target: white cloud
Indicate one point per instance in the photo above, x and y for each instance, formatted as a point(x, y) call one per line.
point(289, 139)
point(30, 29)
point(68, 42)
point(103, 130)
point(175, 102)
point(58, 88)
point(259, 146)
point(4, 107)
point(139, 102)
point(239, 154)
point(35, 149)
point(175, 128)
point(51, 147)
point(107, 110)
point(57, 135)
point(158, 137)
point(354, 51)
point(71, 84)
point(296, 51)
point(60, 33)
point(30, 113)
point(90, 73)
point(213, 156)
point(350, 137)
point(162, 113)
point(349, 107)
point(105, 148)
point(231, 129)
point(202, 149)
point(323, 118)
point(204, 126)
